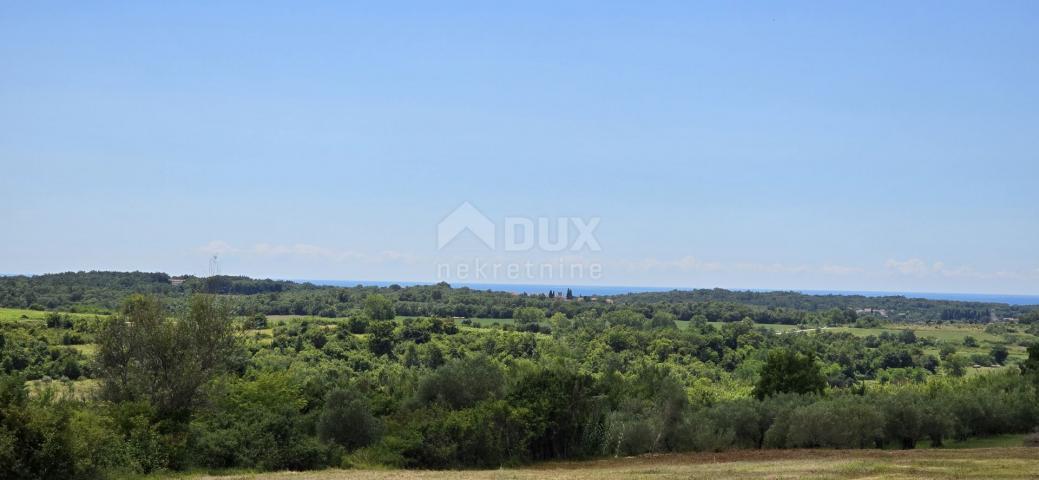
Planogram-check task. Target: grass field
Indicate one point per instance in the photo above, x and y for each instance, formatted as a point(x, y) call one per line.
point(951, 333)
point(22, 315)
point(948, 333)
point(982, 463)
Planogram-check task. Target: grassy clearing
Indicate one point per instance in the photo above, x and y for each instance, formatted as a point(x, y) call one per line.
point(984, 463)
point(775, 327)
point(273, 320)
point(24, 315)
point(952, 334)
point(82, 389)
point(949, 333)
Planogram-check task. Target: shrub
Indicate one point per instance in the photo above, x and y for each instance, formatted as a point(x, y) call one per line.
point(257, 423)
point(787, 371)
point(462, 383)
point(35, 439)
point(849, 422)
point(346, 420)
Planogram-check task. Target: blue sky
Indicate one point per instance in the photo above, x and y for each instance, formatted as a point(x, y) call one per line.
point(830, 145)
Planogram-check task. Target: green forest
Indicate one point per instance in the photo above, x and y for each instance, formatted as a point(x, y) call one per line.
point(109, 374)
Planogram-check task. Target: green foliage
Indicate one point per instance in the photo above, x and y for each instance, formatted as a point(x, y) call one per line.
point(999, 354)
point(380, 337)
point(1030, 368)
point(35, 442)
point(528, 318)
point(105, 291)
point(257, 422)
point(846, 422)
point(554, 379)
point(956, 365)
point(257, 321)
point(626, 318)
point(788, 371)
point(663, 320)
point(378, 307)
point(565, 407)
point(142, 353)
point(346, 420)
point(462, 383)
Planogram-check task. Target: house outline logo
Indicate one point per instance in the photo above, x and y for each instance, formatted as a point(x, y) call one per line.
point(466, 217)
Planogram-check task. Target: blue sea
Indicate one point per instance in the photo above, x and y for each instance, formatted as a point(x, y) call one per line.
point(581, 290)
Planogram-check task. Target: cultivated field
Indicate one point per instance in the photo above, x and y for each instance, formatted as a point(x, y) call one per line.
point(981, 463)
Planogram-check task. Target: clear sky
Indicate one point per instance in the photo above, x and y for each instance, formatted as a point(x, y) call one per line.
point(829, 145)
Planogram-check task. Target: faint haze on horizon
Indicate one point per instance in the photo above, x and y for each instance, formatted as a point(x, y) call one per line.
point(882, 146)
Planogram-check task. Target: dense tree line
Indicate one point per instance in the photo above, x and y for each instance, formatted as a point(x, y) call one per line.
point(104, 291)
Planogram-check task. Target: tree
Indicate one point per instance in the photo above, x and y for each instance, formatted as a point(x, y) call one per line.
point(564, 407)
point(462, 383)
point(347, 420)
point(969, 341)
point(662, 320)
point(1000, 354)
point(787, 371)
point(434, 356)
point(1030, 367)
point(559, 323)
point(257, 423)
point(847, 422)
point(903, 419)
point(258, 321)
point(378, 307)
point(569, 294)
point(357, 324)
point(35, 438)
point(528, 318)
point(956, 365)
point(143, 353)
point(380, 337)
point(627, 317)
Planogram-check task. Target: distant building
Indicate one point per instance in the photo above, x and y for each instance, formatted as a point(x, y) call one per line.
point(175, 281)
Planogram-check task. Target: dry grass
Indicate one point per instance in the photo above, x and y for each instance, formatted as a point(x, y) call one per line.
point(984, 463)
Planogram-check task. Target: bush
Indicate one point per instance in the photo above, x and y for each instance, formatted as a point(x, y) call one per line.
point(849, 422)
point(258, 424)
point(462, 383)
point(746, 419)
point(787, 371)
point(566, 409)
point(257, 322)
point(347, 421)
point(35, 439)
point(378, 307)
point(357, 324)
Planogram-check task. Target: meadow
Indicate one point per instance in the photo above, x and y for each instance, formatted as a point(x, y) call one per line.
point(981, 463)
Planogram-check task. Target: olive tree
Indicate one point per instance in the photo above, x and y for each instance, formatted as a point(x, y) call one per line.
point(145, 353)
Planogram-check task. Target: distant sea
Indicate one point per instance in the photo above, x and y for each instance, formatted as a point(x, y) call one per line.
point(620, 290)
